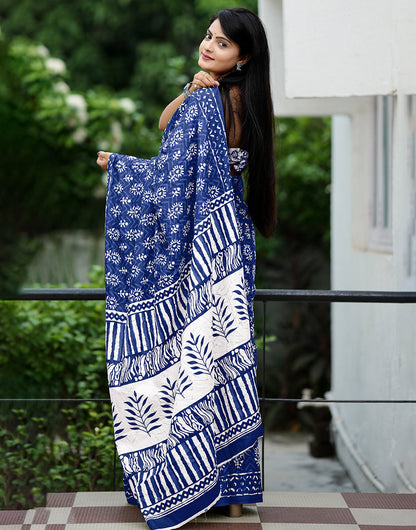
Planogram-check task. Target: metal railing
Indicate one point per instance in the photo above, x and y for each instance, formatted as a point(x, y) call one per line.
point(262, 295)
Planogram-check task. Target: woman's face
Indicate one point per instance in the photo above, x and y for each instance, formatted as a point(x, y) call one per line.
point(217, 53)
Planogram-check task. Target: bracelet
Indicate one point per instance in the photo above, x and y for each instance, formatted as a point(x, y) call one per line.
point(186, 89)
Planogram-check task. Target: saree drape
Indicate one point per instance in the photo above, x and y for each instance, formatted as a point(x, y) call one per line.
point(181, 356)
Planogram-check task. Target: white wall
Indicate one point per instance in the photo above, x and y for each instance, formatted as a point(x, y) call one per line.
point(373, 345)
point(346, 48)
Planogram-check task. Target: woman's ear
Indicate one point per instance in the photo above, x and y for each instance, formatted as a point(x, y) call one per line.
point(244, 59)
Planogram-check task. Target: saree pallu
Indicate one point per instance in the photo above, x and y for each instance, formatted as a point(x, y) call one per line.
point(181, 358)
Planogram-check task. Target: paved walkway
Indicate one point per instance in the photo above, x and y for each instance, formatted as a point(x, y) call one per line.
point(289, 466)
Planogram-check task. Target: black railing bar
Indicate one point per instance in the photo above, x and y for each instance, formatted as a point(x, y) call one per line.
point(336, 296)
point(60, 294)
point(316, 402)
point(261, 295)
point(57, 400)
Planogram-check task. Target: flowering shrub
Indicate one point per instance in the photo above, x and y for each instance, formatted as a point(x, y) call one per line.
point(48, 154)
point(97, 118)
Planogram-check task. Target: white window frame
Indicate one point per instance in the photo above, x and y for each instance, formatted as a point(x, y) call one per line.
point(380, 233)
point(412, 165)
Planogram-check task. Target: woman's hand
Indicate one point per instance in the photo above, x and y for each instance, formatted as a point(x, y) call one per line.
point(202, 79)
point(102, 159)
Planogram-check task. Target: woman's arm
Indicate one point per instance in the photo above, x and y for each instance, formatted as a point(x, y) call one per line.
point(201, 79)
point(170, 111)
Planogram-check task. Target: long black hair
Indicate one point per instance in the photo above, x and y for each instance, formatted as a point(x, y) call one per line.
point(245, 29)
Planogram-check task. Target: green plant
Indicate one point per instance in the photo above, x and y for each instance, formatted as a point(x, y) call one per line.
point(297, 257)
point(54, 350)
point(77, 457)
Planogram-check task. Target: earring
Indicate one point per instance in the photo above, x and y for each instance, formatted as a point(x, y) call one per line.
point(238, 67)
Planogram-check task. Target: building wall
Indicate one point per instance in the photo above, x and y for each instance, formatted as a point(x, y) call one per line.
point(373, 346)
point(339, 48)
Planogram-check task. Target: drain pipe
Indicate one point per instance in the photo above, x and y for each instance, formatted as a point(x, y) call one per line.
point(403, 477)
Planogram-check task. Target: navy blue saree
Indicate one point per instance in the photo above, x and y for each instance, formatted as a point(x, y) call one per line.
point(181, 357)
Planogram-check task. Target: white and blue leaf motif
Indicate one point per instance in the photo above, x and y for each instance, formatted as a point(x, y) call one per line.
point(222, 320)
point(183, 382)
point(241, 301)
point(200, 355)
point(168, 397)
point(117, 431)
point(141, 418)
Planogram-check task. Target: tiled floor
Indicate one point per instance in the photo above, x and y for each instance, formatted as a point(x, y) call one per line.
point(279, 511)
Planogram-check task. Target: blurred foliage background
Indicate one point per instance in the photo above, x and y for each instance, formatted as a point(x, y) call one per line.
point(82, 75)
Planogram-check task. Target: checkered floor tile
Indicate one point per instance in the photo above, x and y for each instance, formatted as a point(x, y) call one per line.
point(279, 511)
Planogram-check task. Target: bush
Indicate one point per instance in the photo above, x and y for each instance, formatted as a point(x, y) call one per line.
point(54, 350)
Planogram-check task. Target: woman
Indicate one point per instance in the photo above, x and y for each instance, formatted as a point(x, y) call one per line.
point(180, 262)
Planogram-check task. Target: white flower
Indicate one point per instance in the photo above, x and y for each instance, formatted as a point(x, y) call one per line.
point(174, 246)
point(148, 196)
point(192, 151)
point(116, 134)
point(112, 279)
point(115, 210)
point(135, 271)
point(176, 137)
point(132, 235)
point(161, 161)
point(160, 260)
point(42, 50)
point(99, 192)
point(176, 173)
point(200, 184)
point(103, 145)
point(165, 280)
point(79, 135)
point(55, 65)
point(112, 256)
point(213, 191)
point(137, 188)
point(61, 87)
point(127, 105)
point(175, 210)
point(134, 211)
point(78, 103)
point(186, 228)
point(148, 219)
point(111, 302)
point(113, 233)
point(248, 252)
point(161, 192)
point(136, 295)
point(189, 190)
